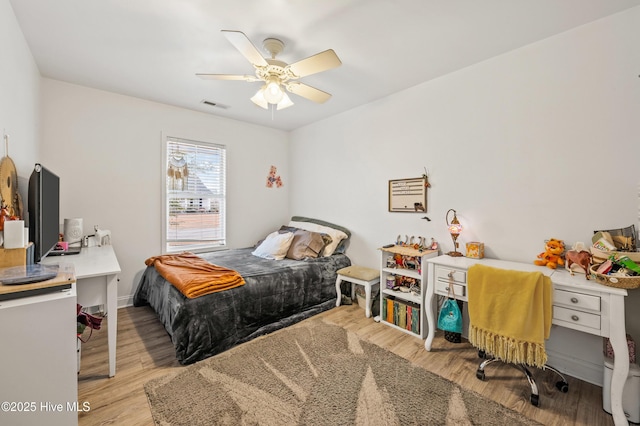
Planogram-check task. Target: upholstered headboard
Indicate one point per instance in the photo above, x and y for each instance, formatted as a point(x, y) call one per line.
point(321, 222)
point(343, 244)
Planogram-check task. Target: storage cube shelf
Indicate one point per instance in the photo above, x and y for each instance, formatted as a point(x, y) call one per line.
point(16, 257)
point(403, 310)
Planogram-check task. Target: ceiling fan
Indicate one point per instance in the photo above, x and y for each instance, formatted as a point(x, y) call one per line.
point(277, 75)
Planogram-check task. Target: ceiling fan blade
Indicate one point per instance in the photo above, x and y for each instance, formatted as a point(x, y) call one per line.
point(314, 64)
point(244, 45)
point(306, 91)
point(227, 77)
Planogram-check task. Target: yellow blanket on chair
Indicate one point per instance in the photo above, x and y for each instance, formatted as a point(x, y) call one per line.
point(509, 313)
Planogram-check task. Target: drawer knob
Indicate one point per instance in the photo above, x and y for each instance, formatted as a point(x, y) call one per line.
point(574, 317)
point(574, 300)
point(450, 275)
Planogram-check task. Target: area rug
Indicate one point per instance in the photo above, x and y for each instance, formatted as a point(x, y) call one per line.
point(316, 373)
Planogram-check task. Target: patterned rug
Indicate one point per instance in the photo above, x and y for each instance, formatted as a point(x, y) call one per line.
point(315, 373)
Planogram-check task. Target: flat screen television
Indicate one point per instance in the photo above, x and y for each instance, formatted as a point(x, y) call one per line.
point(44, 211)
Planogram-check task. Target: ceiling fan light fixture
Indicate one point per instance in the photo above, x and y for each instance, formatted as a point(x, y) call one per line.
point(273, 92)
point(285, 102)
point(259, 99)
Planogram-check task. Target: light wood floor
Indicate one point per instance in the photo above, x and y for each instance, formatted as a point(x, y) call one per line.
point(145, 351)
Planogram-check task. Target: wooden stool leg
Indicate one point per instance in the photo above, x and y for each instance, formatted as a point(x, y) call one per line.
point(367, 292)
point(338, 291)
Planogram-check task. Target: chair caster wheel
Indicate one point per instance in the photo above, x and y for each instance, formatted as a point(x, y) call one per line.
point(562, 386)
point(535, 400)
point(480, 374)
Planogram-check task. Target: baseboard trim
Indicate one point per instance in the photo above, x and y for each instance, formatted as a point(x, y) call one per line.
point(580, 369)
point(125, 301)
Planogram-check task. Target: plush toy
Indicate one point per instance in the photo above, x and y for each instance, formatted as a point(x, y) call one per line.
point(551, 257)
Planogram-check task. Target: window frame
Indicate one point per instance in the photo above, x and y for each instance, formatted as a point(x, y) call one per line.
point(166, 197)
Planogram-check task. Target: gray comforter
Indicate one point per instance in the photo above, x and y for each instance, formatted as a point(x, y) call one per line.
point(276, 295)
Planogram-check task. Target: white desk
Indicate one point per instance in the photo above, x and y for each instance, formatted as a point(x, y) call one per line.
point(578, 304)
point(96, 271)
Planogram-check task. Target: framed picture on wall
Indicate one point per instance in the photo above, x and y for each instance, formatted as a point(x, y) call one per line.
point(408, 195)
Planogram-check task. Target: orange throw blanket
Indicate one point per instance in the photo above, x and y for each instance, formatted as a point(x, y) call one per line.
point(194, 276)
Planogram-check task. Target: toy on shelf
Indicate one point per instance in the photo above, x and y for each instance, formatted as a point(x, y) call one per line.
point(417, 243)
point(580, 258)
point(551, 257)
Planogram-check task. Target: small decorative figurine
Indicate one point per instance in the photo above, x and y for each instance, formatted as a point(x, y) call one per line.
point(425, 176)
point(581, 258)
point(4, 215)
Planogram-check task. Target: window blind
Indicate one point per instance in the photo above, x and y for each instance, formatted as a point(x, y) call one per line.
point(195, 195)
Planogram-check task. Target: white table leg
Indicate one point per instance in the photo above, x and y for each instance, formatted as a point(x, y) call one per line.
point(618, 339)
point(338, 291)
point(112, 320)
point(429, 307)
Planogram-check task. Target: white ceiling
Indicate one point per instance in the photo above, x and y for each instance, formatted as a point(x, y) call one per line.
point(152, 49)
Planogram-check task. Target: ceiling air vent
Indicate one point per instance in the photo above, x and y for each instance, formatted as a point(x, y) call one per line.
point(215, 104)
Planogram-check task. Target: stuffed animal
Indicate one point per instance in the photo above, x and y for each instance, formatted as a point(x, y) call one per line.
point(551, 257)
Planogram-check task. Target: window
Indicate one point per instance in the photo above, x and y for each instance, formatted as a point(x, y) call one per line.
point(194, 202)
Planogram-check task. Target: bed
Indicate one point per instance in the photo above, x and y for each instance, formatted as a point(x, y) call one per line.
point(276, 294)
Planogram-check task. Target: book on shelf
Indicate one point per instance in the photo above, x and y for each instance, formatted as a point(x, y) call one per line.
point(392, 310)
point(402, 313)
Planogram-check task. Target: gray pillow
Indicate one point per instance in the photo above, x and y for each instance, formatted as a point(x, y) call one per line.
point(305, 244)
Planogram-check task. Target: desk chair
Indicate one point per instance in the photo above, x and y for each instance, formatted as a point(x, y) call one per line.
point(509, 320)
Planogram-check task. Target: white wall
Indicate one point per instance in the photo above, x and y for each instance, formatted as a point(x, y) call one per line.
point(107, 150)
point(541, 142)
point(19, 97)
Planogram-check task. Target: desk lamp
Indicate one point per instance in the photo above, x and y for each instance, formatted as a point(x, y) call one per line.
point(454, 229)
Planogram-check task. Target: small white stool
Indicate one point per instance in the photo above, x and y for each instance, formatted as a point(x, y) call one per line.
point(360, 275)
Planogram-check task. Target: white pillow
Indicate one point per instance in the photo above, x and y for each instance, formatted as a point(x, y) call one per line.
point(336, 235)
point(275, 246)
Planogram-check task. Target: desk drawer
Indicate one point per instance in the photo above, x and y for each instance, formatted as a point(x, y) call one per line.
point(577, 317)
point(457, 275)
point(442, 288)
point(576, 300)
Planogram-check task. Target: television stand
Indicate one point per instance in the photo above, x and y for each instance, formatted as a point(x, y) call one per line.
point(39, 356)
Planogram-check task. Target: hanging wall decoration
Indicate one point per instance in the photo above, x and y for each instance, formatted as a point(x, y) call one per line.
point(273, 178)
point(408, 195)
point(10, 199)
point(425, 176)
point(178, 171)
